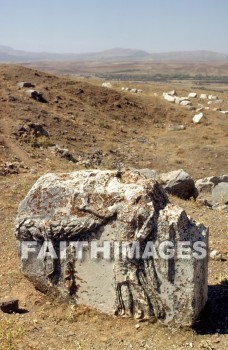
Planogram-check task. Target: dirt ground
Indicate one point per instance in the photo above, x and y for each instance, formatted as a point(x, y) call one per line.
point(104, 128)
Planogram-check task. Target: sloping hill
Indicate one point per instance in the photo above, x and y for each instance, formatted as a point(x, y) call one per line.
point(102, 127)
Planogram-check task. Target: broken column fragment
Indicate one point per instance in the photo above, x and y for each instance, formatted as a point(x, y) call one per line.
point(111, 240)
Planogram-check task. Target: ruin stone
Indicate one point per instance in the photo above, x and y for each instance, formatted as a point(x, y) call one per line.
point(112, 207)
point(178, 183)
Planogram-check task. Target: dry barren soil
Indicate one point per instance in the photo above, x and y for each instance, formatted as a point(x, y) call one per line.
point(103, 128)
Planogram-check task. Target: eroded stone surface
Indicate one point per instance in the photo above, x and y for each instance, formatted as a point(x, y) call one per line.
point(179, 183)
point(116, 208)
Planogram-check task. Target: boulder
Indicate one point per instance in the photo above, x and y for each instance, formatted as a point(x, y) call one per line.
point(205, 185)
point(220, 194)
point(179, 183)
point(224, 112)
point(96, 209)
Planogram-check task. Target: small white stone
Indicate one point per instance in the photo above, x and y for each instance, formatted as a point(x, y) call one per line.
point(203, 96)
point(197, 118)
point(169, 98)
point(192, 95)
point(213, 254)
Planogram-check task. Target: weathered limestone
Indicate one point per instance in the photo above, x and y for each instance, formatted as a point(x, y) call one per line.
point(122, 209)
point(192, 95)
point(172, 93)
point(211, 190)
point(203, 96)
point(185, 103)
point(169, 98)
point(212, 97)
point(220, 194)
point(205, 185)
point(198, 118)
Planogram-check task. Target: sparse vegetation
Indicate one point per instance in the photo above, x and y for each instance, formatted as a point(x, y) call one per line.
point(132, 134)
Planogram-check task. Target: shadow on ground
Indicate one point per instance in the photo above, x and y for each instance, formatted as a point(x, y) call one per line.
point(214, 317)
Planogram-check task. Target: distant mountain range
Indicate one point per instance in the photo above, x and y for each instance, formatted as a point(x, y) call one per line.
point(10, 55)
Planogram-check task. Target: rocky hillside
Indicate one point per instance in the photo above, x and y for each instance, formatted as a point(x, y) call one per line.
point(93, 126)
point(56, 124)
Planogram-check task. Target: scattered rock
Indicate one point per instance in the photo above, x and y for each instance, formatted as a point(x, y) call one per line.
point(172, 93)
point(92, 159)
point(198, 118)
point(205, 185)
point(185, 103)
point(218, 101)
point(37, 129)
point(215, 255)
point(36, 95)
point(203, 96)
point(151, 174)
point(220, 194)
point(179, 183)
point(192, 95)
point(169, 98)
point(9, 306)
point(199, 109)
point(9, 168)
point(63, 153)
point(107, 85)
point(176, 127)
point(212, 97)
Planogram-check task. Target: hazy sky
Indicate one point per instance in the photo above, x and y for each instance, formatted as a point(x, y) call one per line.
point(95, 25)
